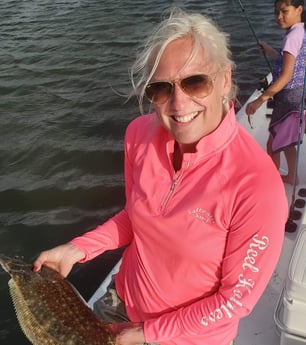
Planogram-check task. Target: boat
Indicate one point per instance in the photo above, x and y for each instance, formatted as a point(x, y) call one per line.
point(266, 324)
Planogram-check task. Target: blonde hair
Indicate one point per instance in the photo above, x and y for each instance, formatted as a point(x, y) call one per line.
point(179, 24)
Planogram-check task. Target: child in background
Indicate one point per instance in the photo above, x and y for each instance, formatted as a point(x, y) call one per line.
point(287, 86)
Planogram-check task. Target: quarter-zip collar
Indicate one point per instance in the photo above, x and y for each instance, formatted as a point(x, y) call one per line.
point(211, 143)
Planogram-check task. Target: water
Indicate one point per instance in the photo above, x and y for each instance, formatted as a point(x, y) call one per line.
point(63, 71)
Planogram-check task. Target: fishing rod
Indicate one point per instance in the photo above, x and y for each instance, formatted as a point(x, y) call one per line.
point(298, 146)
point(254, 34)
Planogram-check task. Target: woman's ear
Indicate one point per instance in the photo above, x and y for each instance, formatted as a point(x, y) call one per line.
point(227, 86)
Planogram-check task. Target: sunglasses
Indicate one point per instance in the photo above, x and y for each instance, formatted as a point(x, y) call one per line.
point(199, 86)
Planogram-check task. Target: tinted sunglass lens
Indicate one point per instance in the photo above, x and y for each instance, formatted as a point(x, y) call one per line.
point(198, 85)
point(159, 92)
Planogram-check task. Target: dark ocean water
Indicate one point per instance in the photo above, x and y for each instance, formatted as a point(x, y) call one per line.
point(63, 70)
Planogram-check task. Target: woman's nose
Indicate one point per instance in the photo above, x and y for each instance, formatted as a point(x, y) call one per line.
point(178, 95)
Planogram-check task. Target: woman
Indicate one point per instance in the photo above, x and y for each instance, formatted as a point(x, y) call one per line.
point(202, 225)
point(287, 86)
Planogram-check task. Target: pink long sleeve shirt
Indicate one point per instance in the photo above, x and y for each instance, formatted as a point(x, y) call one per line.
point(202, 242)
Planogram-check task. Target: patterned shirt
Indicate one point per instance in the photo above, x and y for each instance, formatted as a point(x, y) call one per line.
point(294, 42)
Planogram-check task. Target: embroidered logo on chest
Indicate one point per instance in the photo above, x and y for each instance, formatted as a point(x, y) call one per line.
point(203, 215)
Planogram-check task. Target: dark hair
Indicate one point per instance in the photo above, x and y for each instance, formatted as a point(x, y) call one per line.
point(295, 3)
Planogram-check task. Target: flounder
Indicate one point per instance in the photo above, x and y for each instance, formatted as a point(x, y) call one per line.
point(49, 310)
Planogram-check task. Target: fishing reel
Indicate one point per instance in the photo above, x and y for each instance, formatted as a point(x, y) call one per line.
point(263, 83)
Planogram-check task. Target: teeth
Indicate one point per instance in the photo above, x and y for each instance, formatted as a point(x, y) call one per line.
point(186, 118)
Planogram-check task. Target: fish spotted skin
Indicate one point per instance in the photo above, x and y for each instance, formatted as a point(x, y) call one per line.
point(49, 310)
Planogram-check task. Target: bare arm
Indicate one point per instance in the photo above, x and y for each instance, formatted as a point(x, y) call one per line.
point(277, 86)
point(268, 50)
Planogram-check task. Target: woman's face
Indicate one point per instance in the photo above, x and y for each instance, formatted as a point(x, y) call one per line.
point(287, 15)
point(189, 118)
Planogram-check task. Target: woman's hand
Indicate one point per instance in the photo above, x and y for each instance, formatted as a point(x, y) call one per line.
point(128, 333)
point(60, 258)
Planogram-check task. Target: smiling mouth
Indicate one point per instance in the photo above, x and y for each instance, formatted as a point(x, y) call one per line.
point(186, 118)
